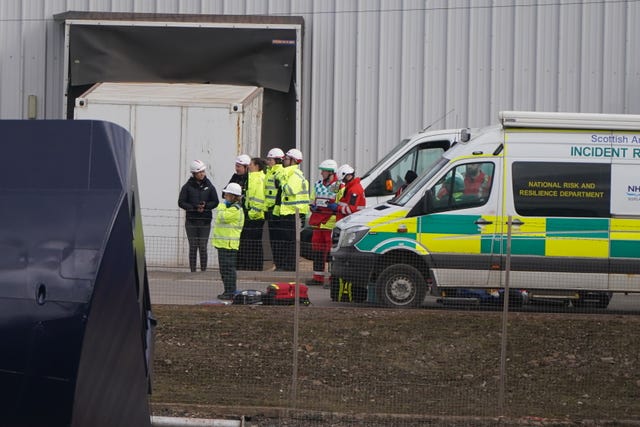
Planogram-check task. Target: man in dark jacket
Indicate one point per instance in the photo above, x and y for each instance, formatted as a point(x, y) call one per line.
point(198, 197)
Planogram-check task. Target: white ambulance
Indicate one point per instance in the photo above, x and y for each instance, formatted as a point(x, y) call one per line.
point(568, 183)
point(417, 153)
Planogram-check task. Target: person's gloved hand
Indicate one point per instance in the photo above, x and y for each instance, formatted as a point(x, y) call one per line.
point(333, 206)
point(313, 208)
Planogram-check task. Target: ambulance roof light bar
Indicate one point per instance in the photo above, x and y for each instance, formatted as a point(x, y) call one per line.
point(538, 119)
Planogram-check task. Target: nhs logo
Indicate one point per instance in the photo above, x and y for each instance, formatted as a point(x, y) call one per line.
point(633, 191)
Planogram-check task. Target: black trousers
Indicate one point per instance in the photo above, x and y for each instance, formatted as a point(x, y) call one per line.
point(250, 254)
point(227, 259)
point(284, 241)
point(273, 224)
point(198, 237)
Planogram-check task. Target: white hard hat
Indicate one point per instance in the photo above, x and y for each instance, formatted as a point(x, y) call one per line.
point(243, 159)
point(233, 188)
point(197, 166)
point(345, 170)
point(295, 154)
point(275, 153)
point(328, 165)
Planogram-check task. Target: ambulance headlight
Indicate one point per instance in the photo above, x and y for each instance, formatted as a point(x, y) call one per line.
point(352, 235)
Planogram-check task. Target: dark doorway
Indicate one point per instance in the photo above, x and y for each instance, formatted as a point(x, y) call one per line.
point(217, 49)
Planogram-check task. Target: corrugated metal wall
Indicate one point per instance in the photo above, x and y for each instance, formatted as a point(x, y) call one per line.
point(378, 70)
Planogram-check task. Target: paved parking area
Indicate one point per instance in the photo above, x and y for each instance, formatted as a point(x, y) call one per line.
point(180, 286)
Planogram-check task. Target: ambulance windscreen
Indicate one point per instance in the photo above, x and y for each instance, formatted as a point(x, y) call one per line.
point(418, 185)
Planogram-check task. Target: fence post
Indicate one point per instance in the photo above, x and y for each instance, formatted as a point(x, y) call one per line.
point(296, 320)
point(505, 312)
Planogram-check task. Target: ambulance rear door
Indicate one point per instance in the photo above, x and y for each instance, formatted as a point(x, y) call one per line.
point(625, 215)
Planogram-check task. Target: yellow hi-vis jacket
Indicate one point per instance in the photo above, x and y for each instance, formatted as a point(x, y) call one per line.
point(295, 191)
point(270, 190)
point(228, 226)
point(254, 196)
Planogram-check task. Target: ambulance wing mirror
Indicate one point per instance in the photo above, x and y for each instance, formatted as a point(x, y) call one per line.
point(380, 185)
point(388, 185)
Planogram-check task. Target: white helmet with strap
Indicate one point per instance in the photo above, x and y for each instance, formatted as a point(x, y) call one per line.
point(328, 165)
point(243, 159)
point(233, 188)
point(275, 153)
point(295, 154)
point(197, 166)
point(345, 170)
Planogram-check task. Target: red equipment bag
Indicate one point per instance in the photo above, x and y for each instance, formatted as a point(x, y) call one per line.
point(283, 293)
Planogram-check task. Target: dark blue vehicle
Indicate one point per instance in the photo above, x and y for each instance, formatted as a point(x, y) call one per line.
point(459, 296)
point(76, 325)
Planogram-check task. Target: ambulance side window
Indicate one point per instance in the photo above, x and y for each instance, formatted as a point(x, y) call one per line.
point(465, 186)
point(562, 189)
point(418, 159)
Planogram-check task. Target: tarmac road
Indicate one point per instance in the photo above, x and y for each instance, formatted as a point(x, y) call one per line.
point(179, 286)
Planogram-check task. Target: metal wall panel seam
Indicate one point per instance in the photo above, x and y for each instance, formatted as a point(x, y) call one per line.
point(343, 111)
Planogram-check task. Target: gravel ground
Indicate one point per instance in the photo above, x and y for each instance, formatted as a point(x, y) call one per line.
point(367, 366)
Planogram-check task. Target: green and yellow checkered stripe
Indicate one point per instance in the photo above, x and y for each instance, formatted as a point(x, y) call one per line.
point(556, 237)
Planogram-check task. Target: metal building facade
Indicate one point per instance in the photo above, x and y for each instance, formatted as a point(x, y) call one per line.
point(375, 71)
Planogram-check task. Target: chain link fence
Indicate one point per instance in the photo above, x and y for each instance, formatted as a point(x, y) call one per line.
point(464, 356)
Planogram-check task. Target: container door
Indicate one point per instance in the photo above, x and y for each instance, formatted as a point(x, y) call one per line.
point(157, 140)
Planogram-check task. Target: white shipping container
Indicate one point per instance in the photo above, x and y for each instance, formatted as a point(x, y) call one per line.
point(173, 124)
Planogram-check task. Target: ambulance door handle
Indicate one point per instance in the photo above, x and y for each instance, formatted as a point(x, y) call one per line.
point(483, 221)
point(516, 222)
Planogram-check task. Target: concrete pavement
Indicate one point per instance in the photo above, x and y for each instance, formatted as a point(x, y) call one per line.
point(180, 286)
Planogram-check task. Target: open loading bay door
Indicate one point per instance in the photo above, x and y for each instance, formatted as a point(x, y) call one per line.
point(262, 51)
point(257, 54)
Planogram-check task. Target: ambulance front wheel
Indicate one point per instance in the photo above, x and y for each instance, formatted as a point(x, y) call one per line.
point(401, 285)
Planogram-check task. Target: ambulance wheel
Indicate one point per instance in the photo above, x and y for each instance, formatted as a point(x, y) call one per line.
point(400, 285)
